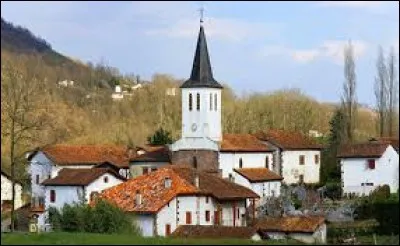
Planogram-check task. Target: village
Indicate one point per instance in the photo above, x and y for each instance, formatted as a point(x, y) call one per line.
point(260, 187)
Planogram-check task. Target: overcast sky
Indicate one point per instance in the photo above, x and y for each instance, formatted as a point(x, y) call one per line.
point(254, 46)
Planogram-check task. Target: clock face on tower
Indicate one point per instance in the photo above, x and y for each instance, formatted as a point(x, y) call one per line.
point(194, 127)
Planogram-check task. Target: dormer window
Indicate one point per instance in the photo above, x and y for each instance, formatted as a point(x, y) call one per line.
point(105, 179)
point(167, 182)
point(371, 163)
point(138, 198)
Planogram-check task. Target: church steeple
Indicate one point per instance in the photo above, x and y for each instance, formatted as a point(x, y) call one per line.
point(201, 76)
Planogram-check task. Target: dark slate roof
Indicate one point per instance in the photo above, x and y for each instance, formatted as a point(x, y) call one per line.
point(201, 76)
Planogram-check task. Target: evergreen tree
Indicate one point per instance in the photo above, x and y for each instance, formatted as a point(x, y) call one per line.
point(331, 170)
point(160, 137)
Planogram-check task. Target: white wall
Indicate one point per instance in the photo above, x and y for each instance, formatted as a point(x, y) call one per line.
point(228, 161)
point(6, 191)
point(355, 171)
point(291, 169)
point(227, 213)
point(263, 189)
point(99, 185)
point(145, 222)
point(167, 215)
point(208, 122)
point(42, 166)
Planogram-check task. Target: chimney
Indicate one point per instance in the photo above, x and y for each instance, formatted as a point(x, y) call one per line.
point(167, 182)
point(197, 181)
point(138, 198)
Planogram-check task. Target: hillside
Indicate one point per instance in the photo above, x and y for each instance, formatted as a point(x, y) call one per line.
point(86, 114)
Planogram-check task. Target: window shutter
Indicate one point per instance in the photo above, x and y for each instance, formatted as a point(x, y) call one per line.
point(52, 195)
point(188, 218)
point(371, 164)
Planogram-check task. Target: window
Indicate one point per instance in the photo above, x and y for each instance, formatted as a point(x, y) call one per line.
point(167, 182)
point(37, 179)
point(167, 229)
point(190, 102)
point(105, 179)
point(207, 199)
point(216, 217)
point(49, 176)
point(215, 101)
point(145, 170)
point(316, 158)
point(266, 162)
point(240, 163)
point(188, 218)
point(194, 162)
point(93, 195)
point(371, 163)
point(207, 216)
point(211, 101)
point(198, 102)
point(153, 169)
point(301, 159)
point(238, 213)
point(52, 196)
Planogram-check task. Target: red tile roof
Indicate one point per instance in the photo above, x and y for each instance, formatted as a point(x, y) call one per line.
point(242, 143)
point(306, 224)
point(153, 153)
point(79, 176)
point(362, 150)
point(288, 140)
point(88, 154)
point(255, 175)
point(155, 195)
point(198, 231)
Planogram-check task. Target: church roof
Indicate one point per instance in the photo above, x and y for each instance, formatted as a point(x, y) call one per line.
point(242, 143)
point(201, 76)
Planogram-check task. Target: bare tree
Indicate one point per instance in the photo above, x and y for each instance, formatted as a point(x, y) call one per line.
point(392, 88)
point(349, 100)
point(20, 90)
point(381, 91)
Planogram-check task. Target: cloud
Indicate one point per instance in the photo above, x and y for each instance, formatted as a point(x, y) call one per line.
point(351, 4)
point(330, 49)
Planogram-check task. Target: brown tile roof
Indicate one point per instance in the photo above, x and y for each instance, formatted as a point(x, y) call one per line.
point(288, 140)
point(390, 140)
point(153, 154)
point(88, 154)
point(362, 150)
point(79, 176)
point(212, 231)
point(155, 195)
point(255, 175)
point(242, 143)
point(306, 224)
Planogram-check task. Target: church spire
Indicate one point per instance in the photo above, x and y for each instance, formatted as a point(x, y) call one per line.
point(201, 75)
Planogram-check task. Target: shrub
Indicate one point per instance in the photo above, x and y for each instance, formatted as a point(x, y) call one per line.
point(380, 193)
point(101, 218)
point(333, 190)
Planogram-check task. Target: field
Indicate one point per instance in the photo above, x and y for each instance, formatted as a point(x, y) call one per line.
point(104, 239)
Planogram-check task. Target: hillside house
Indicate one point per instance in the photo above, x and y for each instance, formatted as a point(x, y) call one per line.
point(6, 193)
point(307, 229)
point(365, 166)
point(297, 158)
point(177, 195)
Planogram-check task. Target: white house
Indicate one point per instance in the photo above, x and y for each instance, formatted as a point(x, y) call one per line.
point(6, 192)
point(307, 229)
point(365, 166)
point(45, 163)
point(176, 195)
point(297, 158)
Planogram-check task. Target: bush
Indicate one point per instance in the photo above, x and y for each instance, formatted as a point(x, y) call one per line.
point(333, 191)
point(101, 218)
point(380, 193)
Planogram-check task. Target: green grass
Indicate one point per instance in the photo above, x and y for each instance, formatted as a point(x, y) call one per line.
point(98, 239)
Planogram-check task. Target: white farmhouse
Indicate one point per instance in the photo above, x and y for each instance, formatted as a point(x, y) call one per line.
point(47, 162)
point(176, 195)
point(6, 192)
point(297, 158)
point(307, 229)
point(365, 166)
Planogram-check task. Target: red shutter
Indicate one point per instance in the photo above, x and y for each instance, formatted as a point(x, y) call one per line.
point(216, 218)
point(167, 229)
point(188, 218)
point(371, 164)
point(52, 195)
point(207, 216)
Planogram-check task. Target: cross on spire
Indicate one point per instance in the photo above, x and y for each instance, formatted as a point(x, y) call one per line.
point(201, 10)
